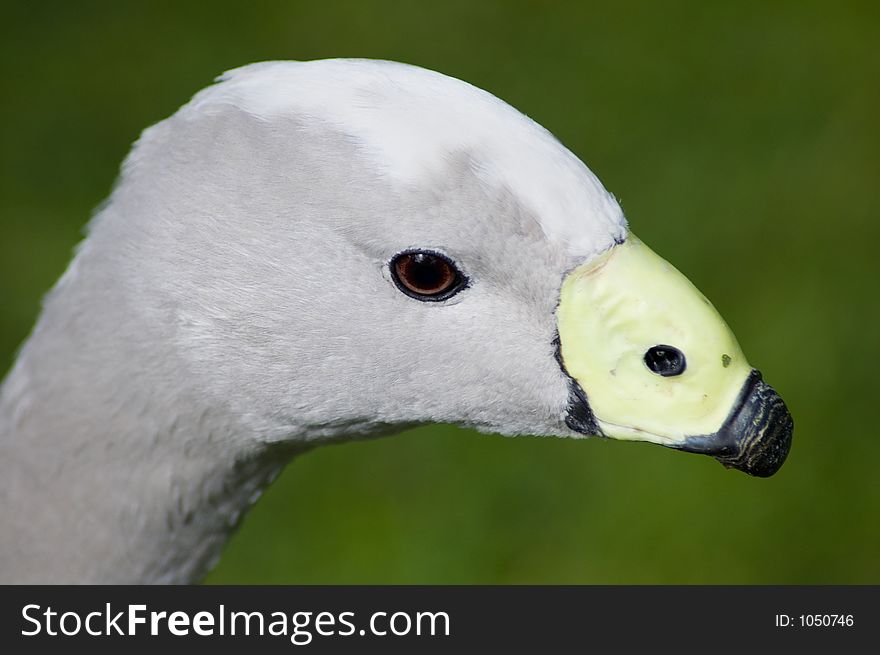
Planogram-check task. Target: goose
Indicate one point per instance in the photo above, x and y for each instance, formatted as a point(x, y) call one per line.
point(315, 252)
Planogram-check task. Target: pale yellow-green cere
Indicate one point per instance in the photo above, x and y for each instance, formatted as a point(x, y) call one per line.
point(617, 306)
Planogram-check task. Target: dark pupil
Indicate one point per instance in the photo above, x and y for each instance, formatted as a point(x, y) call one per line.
point(424, 273)
point(665, 360)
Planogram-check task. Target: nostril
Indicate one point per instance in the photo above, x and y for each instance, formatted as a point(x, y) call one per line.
point(665, 360)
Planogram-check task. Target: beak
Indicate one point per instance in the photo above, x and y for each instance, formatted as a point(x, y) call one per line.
point(651, 360)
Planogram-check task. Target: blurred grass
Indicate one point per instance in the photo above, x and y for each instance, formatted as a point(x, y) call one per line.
point(742, 140)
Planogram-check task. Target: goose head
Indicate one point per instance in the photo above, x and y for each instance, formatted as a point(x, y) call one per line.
point(310, 252)
point(350, 247)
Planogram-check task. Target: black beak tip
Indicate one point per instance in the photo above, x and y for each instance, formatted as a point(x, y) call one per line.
point(756, 437)
point(769, 448)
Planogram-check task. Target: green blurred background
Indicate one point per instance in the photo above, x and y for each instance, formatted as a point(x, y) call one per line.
point(742, 140)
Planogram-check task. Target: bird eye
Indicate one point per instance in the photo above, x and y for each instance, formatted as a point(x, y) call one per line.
point(426, 275)
point(665, 360)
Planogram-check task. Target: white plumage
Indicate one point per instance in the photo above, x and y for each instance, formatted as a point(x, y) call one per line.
point(232, 305)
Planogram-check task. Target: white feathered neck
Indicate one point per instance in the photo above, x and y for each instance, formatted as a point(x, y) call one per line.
point(231, 306)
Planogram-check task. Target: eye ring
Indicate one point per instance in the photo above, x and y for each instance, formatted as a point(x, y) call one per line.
point(426, 275)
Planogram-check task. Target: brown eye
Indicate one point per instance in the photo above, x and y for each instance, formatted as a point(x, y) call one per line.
point(426, 275)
